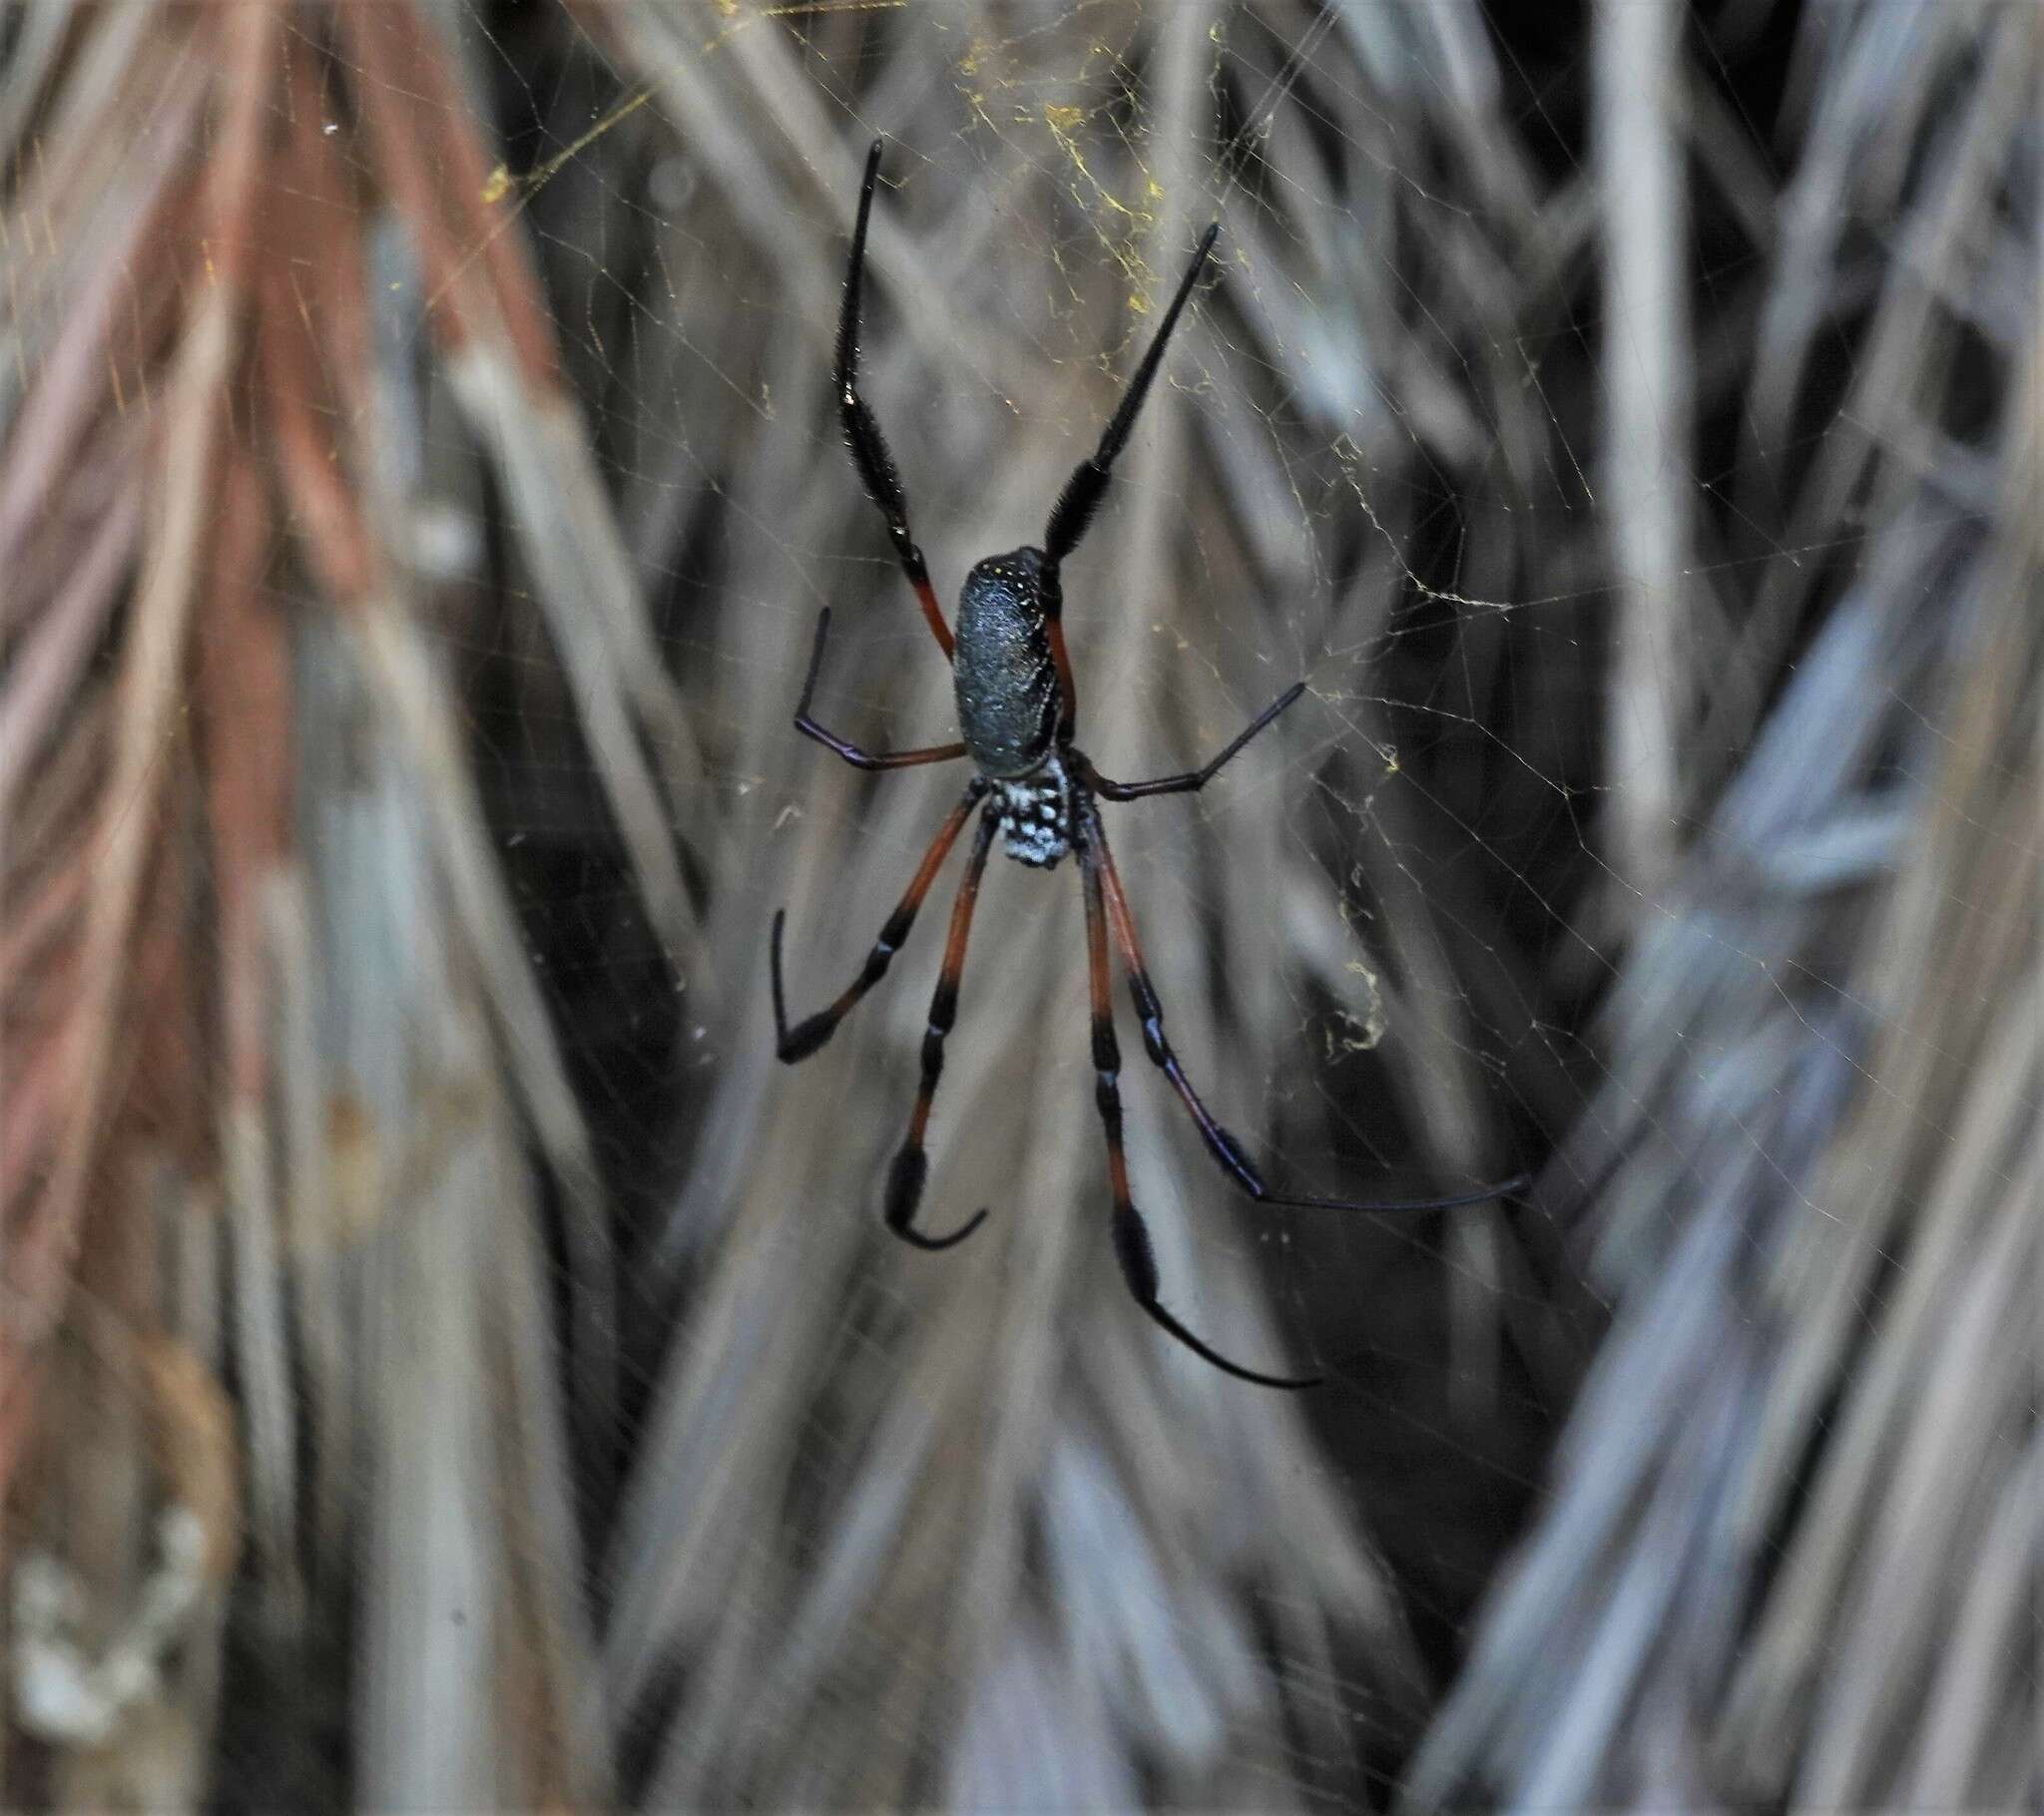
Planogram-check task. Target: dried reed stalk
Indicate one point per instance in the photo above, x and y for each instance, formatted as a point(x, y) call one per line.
point(1793, 1556)
point(274, 1047)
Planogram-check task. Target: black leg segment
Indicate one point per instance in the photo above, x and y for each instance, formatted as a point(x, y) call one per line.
point(911, 1166)
point(1228, 1152)
point(852, 754)
point(806, 1036)
point(1131, 1237)
point(869, 450)
point(1072, 512)
point(1191, 781)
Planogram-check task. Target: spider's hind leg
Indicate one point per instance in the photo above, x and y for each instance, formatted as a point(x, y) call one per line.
point(1224, 1147)
point(1132, 1245)
point(806, 1036)
point(911, 1166)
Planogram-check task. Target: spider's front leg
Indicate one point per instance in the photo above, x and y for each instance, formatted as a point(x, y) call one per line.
point(1191, 781)
point(1132, 1245)
point(869, 451)
point(1073, 513)
point(852, 754)
point(806, 1036)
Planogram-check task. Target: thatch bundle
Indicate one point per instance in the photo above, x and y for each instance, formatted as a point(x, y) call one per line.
point(446, 1360)
point(1792, 1551)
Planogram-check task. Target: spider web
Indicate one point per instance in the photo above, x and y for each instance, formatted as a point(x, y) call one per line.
point(1605, 548)
point(1378, 936)
point(1343, 927)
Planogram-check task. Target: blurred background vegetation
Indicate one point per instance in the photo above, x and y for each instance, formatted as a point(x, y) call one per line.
point(444, 1362)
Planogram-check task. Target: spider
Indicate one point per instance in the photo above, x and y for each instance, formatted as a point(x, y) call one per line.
point(1039, 792)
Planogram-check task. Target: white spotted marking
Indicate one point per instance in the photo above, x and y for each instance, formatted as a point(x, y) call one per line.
point(1036, 817)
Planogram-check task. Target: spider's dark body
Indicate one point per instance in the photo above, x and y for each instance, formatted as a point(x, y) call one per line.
point(1036, 790)
point(1006, 679)
point(1003, 670)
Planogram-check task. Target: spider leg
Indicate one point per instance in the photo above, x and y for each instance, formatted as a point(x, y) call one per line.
point(911, 1166)
point(797, 1042)
point(1191, 781)
point(852, 754)
point(1132, 1244)
point(1073, 513)
point(869, 452)
point(1222, 1145)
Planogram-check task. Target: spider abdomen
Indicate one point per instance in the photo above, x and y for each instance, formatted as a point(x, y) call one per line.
point(1006, 681)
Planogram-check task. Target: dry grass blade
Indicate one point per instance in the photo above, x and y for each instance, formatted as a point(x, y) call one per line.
point(1809, 1443)
point(1649, 426)
point(261, 975)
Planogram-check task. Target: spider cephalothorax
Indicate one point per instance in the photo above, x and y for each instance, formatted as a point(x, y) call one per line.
point(1039, 815)
point(1037, 790)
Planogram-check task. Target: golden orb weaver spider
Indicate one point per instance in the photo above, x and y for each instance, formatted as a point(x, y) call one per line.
point(1038, 791)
